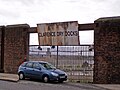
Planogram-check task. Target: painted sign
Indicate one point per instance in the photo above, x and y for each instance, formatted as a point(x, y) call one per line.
point(61, 34)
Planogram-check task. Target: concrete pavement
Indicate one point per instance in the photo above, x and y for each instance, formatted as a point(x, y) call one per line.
point(15, 78)
point(109, 86)
point(9, 77)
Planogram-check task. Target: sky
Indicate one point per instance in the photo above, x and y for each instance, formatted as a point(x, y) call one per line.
point(33, 12)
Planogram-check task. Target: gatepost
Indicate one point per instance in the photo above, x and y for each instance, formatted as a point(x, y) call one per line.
point(107, 50)
point(2, 28)
point(16, 45)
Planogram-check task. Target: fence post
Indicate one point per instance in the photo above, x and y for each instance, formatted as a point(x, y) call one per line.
point(57, 58)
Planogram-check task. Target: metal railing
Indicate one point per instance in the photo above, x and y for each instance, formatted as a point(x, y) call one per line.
point(77, 61)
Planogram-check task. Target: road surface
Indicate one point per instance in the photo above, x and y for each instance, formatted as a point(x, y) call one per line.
point(37, 85)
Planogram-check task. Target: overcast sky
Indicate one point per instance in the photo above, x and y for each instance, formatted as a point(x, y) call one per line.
point(33, 12)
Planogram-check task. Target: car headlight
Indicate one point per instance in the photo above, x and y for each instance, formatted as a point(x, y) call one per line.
point(54, 74)
point(65, 74)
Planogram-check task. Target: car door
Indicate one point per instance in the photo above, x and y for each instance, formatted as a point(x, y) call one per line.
point(29, 69)
point(37, 71)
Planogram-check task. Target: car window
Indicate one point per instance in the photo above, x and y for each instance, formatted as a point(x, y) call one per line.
point(23, 64)
point(29, 64)
point(36, 65)
point(47, 65)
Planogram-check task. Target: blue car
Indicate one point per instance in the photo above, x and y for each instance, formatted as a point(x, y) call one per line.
point(41, 70)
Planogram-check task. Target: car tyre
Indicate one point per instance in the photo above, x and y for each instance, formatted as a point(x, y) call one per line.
point(21, 76)
point(45, 79)
point(60, 81)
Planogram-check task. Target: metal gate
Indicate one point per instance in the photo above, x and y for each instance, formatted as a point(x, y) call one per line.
point(77, 61)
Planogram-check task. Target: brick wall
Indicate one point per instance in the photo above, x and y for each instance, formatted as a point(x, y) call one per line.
point(0, 46)
point(16, 41)
point(2, 28)
point(107, 50)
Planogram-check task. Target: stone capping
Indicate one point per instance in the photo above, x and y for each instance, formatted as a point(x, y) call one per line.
point(108, 18)
point(18, 25)
point(2, 27)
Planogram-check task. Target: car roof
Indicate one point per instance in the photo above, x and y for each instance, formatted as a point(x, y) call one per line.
point(37, 61)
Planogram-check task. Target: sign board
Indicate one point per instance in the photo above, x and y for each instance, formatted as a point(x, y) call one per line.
point(61, 34)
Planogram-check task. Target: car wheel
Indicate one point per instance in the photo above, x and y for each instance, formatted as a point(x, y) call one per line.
point(21, 76)
point(45, 79)
point(60, 81)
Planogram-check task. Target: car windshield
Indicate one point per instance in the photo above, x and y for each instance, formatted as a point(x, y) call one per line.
point(47, 66)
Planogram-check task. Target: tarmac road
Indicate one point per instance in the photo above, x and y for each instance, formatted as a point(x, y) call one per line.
point(37, 85)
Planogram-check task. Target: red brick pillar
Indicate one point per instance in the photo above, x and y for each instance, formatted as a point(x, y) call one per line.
point(16, 45)
point(0, 47)
point(107, 50)
point(2, 28)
